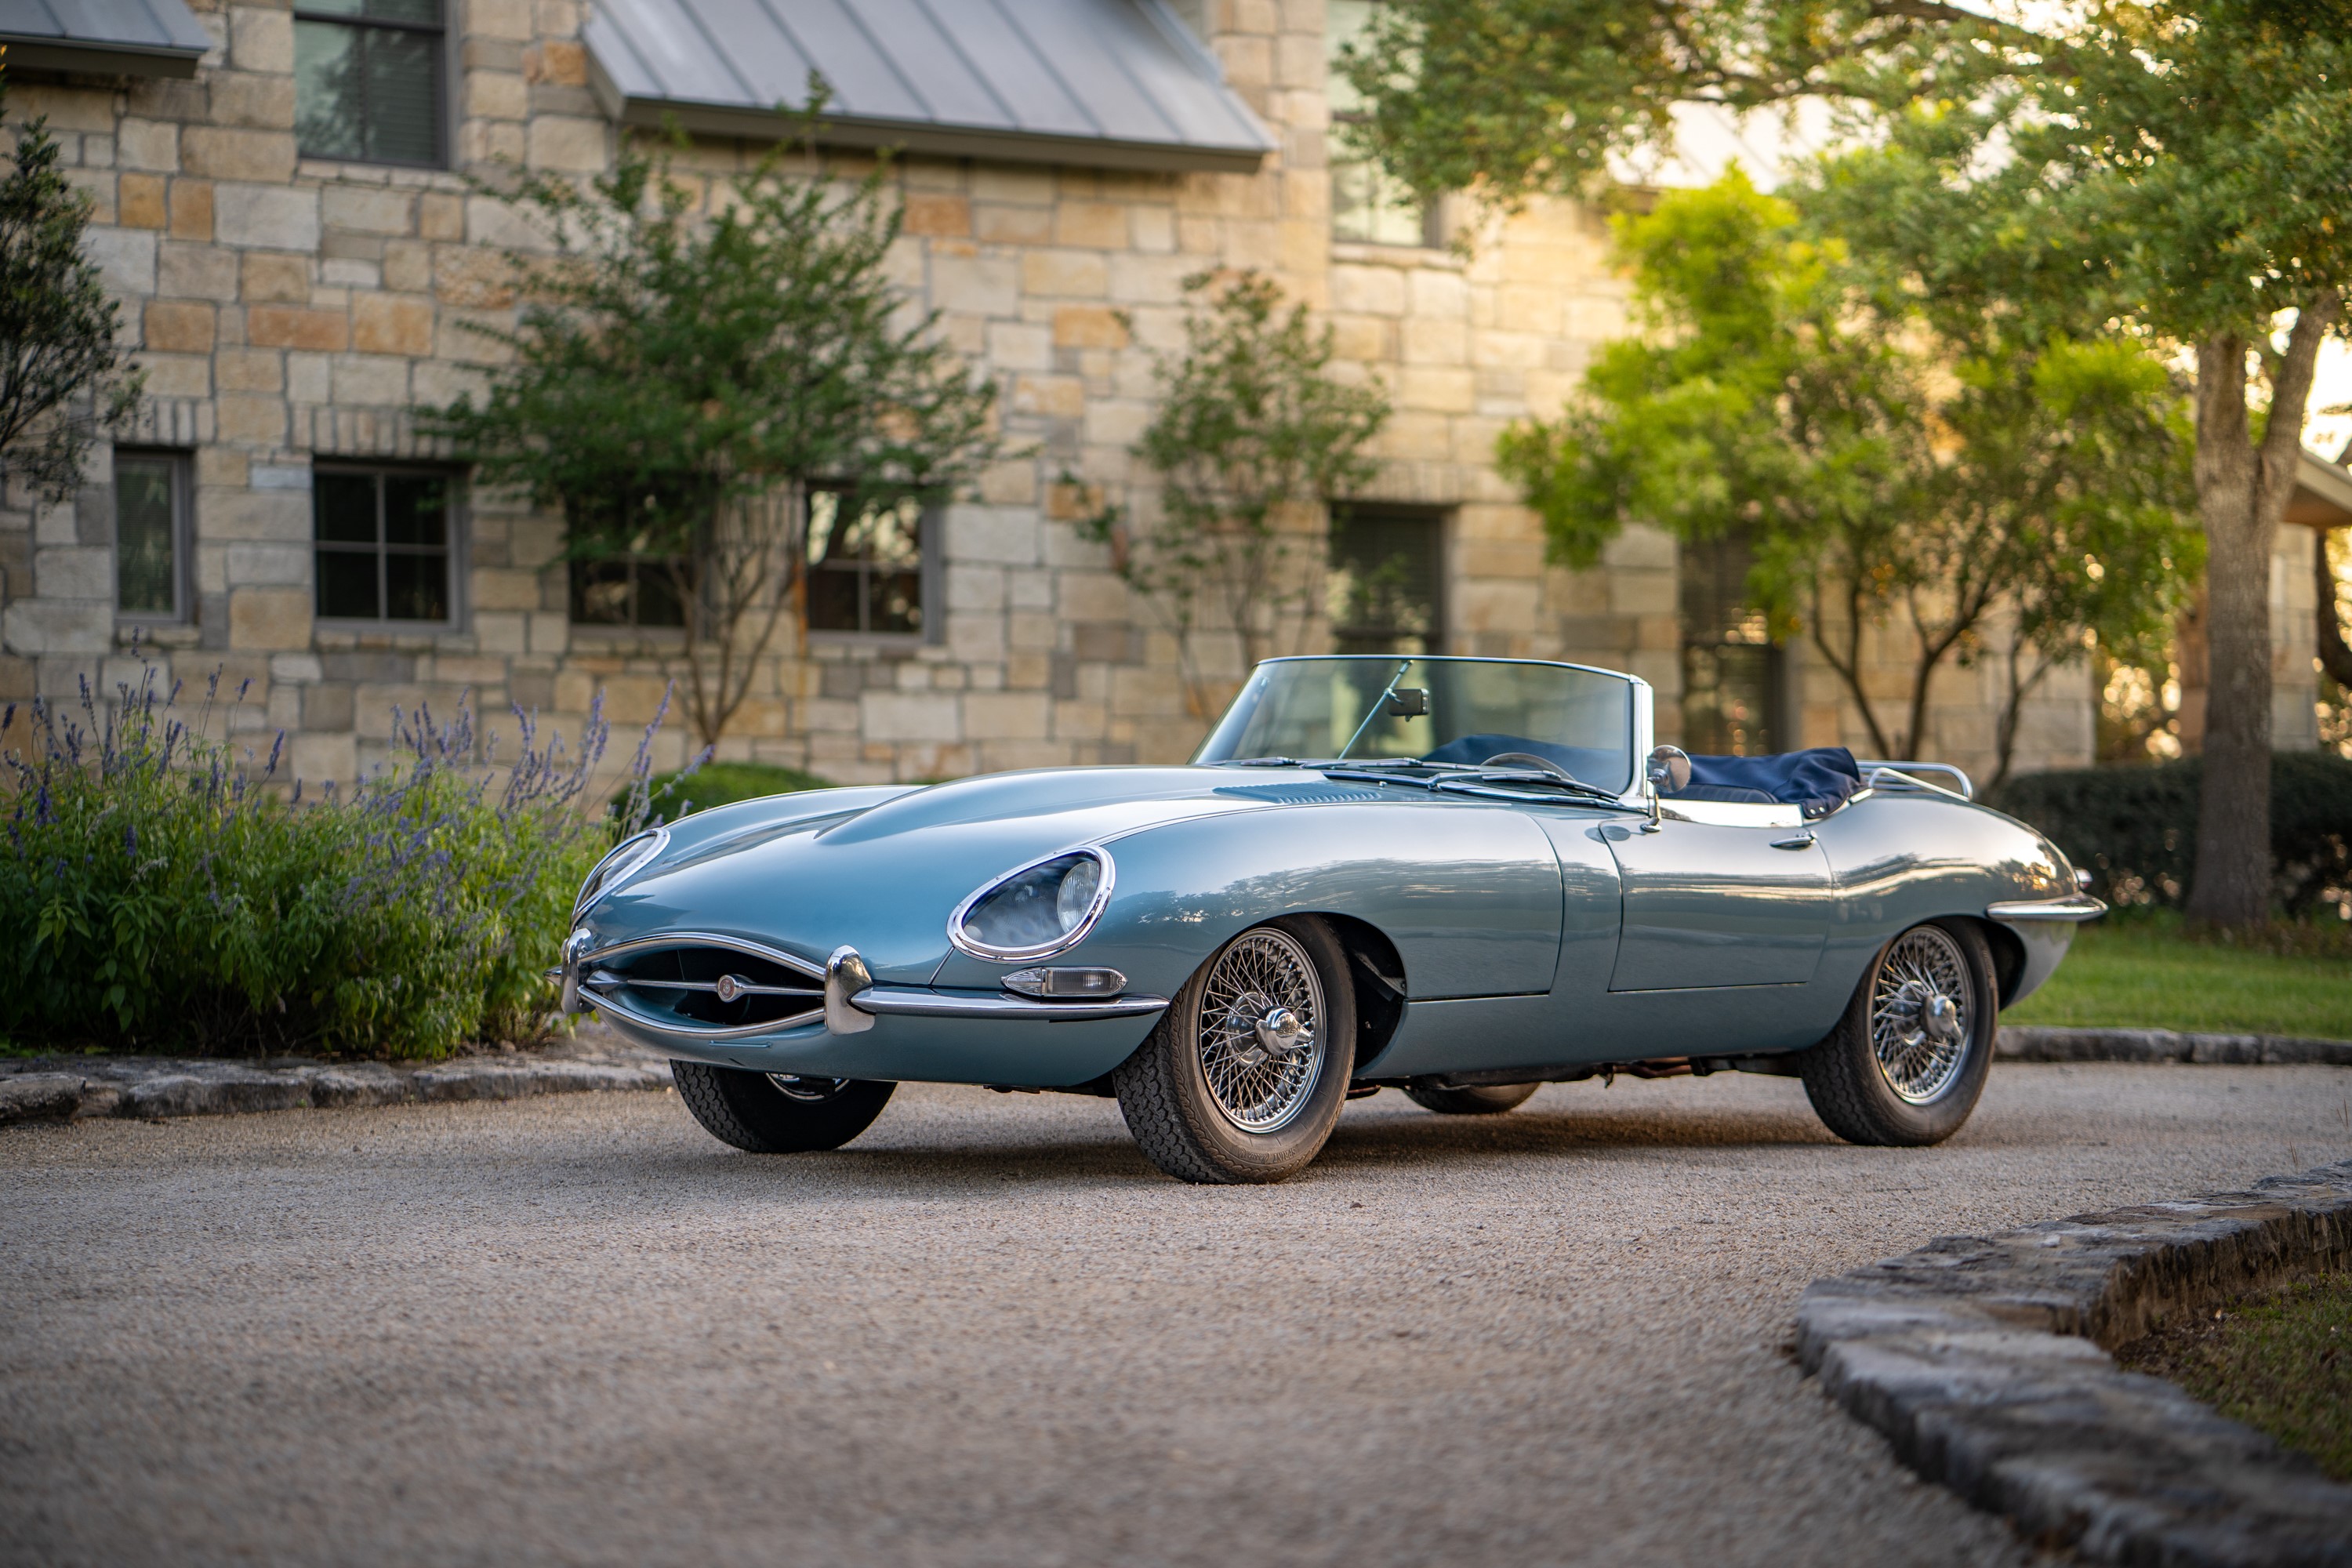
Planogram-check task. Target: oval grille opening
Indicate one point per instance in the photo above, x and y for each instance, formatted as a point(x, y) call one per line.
point(705, 988)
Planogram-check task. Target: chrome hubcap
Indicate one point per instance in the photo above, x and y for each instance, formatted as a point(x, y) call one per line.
point(1257, 1038)
point(1920, 1021)
point(806, 1089)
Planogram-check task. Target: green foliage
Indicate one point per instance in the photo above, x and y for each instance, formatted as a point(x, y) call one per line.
point(161, 890)
point(2007, 489)
point(684, 791)
point(2149, 969)
point(2134, 828)
point(58, 328)
point(679, 378)
point(2280, 1361)
point(1252, 425)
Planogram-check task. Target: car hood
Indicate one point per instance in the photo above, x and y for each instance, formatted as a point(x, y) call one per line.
point(881, 869)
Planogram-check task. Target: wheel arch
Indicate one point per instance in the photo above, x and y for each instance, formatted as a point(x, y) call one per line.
point(2008, 954)
point(1376, 974)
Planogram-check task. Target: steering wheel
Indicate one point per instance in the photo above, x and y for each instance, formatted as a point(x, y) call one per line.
point(1530, 760)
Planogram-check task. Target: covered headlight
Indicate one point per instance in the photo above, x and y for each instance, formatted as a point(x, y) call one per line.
point(1035, 911)
point(628, 857)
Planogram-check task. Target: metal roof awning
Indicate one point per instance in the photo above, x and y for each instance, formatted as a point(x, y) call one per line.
point(102, 37)
point(1105, 83)
point(2322, 493)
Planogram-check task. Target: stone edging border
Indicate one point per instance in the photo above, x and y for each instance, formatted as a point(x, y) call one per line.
point(1983, 1361)
point(67, 1089)
point(2037, 1043)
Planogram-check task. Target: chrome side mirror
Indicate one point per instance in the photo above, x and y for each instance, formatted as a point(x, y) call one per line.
point(1667, 771)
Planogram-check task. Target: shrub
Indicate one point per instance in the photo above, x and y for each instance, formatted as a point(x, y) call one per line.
point(2134, 828)
point(702, 786)
point(160, 891)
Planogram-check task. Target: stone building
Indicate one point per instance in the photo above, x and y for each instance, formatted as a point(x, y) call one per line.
point(283, 206)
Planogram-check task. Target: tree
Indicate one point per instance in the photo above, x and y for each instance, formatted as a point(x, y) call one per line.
point(2005, 495)
point(62, 375)
point(2180, 164)
point(1251, 425)
point(680, 380)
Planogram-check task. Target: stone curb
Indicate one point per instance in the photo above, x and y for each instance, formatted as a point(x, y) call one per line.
point(2035, 1043)
point(59, 1088)
point(1983, 1361)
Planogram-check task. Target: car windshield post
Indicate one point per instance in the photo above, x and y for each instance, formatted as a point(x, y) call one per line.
point(1374, 710)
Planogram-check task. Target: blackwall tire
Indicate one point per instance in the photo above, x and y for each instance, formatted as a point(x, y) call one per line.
point(754, 1112)
point(1478, 1100)
point(1208, 1099)
point(1884, 1076)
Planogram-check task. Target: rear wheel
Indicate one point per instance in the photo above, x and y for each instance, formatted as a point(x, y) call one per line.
point(1906, 1063)
point(778, 1113)
point(1477, 1100)
point(1244, 1076)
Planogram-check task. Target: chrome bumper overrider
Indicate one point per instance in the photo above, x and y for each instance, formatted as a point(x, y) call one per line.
point(852, 1002)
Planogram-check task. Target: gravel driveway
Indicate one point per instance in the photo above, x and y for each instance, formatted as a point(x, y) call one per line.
point(579, 1330)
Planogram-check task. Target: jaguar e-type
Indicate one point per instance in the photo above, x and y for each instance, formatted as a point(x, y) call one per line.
point(1460, 877)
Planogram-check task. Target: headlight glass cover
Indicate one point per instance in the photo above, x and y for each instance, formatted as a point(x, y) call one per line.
point(1035, 911)
point(628, 857)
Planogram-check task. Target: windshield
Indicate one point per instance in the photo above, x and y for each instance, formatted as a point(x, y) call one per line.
point(1457, 711)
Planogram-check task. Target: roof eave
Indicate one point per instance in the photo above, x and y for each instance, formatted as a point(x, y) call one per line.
point(2325, 493)
point(955, 142)
point(83, 57)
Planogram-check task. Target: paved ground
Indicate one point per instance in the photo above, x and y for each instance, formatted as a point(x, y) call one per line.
point(579, 1331)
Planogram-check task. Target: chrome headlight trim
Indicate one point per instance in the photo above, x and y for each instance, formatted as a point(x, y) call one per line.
point(623, 861)
point(964, 942)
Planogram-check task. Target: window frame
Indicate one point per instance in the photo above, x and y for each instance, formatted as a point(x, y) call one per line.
point(1433, 211)
point(447, 84)
point(1730, 551)
point(931, 578)
point(456, 553)
point(1439, 521)
point(637, 560)
point(182, 465)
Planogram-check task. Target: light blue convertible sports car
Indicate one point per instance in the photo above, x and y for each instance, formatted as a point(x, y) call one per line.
point(1457, 877)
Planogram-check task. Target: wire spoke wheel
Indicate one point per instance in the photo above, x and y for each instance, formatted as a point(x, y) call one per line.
point(1259, 1037)
point(1920, 1013)
point(808, 1090)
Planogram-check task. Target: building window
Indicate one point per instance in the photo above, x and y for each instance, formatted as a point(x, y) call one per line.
point(1384, 592)
point(152, 535)
point(628, 589)
point(367, 81)
point(385, 539)
point(1732, 673)
point(1368, 206)
point(867, 564)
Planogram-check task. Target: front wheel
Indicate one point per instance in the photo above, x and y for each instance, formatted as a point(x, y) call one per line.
point(1244, 1076)
point(1904, 1065)
point(777, 1113)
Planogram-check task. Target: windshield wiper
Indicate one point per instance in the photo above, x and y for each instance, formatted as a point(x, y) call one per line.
point(1370, 775)
point(1528, 777)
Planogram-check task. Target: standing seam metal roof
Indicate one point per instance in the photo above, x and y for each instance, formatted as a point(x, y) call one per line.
point(137, 37)
point(1119, 83)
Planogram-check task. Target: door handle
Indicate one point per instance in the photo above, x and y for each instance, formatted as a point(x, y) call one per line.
point(1795, 841)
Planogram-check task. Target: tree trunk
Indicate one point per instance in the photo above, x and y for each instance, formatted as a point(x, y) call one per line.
point(2242, 489)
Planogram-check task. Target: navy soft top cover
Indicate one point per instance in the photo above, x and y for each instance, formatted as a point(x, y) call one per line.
point(1818, 780)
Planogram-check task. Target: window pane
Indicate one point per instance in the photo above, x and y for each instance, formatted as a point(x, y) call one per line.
point(416, 587)
point(832, 599)
point(415, 510)
point(894, 602)
point(600, 592)
point(824, 517)
point(342, 506)
point(658, 603)
point(403, 113)
point(330, 98)
point(347, 585)
point(146, 530)
point(1382, 593)
point(1370, 208)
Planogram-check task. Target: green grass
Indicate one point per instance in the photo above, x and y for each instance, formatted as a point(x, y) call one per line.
point(2142, 970)
point(2280, 1362)
point(724, 783)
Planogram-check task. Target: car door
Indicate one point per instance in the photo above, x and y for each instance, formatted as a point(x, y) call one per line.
point(1719, 896)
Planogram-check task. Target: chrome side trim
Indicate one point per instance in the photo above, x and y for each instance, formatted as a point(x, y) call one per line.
point(2074, 907)
point(916, 1002)
point(1076, 935)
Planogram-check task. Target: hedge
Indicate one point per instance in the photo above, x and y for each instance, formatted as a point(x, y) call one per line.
point(2134, 828)
point(701, 785)
point(163, 891)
